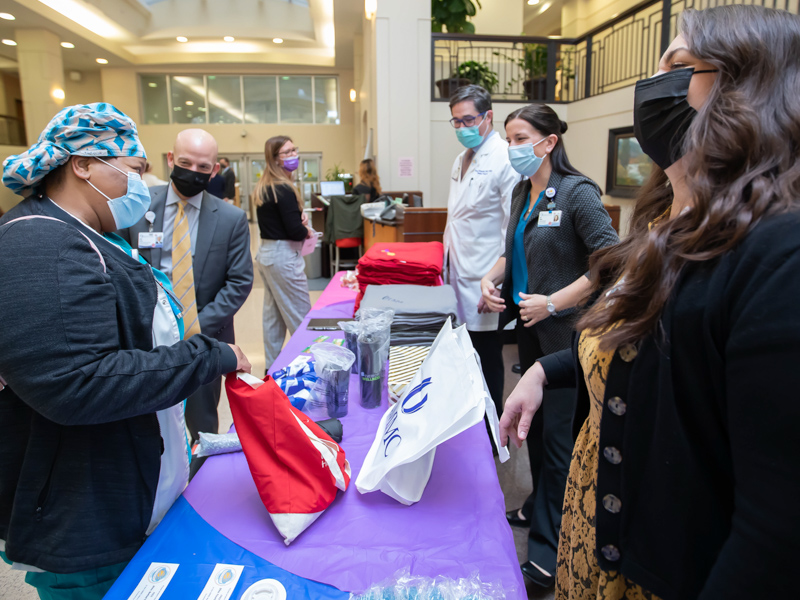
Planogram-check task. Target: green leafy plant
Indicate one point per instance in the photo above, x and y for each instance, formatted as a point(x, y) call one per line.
point(533, 62)
point(334, 173)
point(453, 15)
point(477, 73)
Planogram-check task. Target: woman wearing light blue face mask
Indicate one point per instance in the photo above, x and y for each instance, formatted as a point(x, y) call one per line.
point(557, 221)
point(93, 371)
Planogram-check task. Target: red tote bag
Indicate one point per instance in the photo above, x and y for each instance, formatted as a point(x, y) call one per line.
point(296, 466)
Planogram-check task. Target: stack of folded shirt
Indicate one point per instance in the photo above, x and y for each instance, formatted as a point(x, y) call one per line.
point(419, 263)
point(419, 311)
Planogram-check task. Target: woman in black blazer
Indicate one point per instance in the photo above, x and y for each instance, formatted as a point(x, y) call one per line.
point(689, 356)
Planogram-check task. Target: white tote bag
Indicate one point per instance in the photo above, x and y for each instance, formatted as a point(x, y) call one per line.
point(447, 396)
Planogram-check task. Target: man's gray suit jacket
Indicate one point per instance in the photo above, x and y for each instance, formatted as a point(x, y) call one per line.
point(222, 264)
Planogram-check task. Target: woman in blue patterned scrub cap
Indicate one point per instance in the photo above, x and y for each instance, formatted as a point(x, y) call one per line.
point(93, 367)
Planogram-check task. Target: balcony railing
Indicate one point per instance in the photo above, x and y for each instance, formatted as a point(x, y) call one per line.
point(12, 131)
point(559, 70)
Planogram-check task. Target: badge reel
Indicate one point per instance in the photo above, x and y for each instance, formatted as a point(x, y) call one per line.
point(551, 218)
point(150, 239)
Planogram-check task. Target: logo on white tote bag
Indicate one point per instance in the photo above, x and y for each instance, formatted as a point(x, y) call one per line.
point(393, 435)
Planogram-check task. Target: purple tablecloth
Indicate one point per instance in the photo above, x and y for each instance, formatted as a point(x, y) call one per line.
point(457, 529)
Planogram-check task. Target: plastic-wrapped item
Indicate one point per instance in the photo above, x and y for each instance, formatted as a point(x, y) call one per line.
point(351, 329)
point(217, 443)
point(350, 280)
point(300, 366)
point(332, 364)
point(366, 313)
point(373, 352)
point(404, 586)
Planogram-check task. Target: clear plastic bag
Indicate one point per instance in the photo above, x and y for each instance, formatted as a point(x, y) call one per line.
point(217, 443)
point(373, 352)
point(351, 329)
point(332, 364)
point(404, 586)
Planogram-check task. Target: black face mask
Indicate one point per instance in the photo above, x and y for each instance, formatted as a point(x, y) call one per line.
point(662, 115)
point(189, 183)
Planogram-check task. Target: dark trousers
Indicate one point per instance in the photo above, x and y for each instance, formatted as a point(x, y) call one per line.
point(489, 346)
point(201, 415)
point(550, 446)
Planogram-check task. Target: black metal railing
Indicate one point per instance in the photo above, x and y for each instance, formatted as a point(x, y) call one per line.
point(12, 131)
point(559, 70)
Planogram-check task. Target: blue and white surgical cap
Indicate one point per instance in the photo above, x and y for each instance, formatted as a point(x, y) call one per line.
point(97, 129)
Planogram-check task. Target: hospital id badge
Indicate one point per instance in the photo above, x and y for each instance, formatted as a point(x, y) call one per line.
point(551, 218)
point(151, 239)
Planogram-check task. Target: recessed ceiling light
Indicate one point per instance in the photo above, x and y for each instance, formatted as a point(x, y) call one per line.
point(189, 103)
point(101, 61)
point(229, 38)
point(182, 39)
point(533, 2)
point(58, 94)
point(7, 17)
point(152, 84)
point(9, 42)
point(277, 41)
point(67, 45)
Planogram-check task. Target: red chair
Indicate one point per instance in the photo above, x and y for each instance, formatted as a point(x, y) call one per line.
point(351, 242)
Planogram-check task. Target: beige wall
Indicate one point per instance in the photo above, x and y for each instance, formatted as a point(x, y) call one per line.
point(580, 16)
point(587, 139)
point(85, 91)
point(499, 17)
point(120, 87)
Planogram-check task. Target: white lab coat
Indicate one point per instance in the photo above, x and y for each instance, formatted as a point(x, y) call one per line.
point(478, 210)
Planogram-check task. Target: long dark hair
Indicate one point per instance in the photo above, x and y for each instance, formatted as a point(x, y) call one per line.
point(741, 153)
point(545, 120)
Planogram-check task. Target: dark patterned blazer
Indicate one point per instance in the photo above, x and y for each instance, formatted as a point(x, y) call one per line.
point(557, 256)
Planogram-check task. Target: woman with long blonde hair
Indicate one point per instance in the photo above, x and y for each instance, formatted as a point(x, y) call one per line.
point(283, 226)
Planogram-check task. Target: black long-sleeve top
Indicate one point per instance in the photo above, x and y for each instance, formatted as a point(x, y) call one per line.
point(705, 416)
point(281, 220)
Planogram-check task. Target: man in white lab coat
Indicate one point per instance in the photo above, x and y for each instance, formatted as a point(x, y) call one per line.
point(478, 209)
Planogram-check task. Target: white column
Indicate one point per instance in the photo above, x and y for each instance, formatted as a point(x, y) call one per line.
point(41, 77)
point(401, 41)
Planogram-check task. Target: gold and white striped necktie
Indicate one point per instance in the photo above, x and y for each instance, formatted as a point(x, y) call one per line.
point(182, 274)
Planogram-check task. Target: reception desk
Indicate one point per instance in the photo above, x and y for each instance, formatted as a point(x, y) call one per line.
point(417, 225)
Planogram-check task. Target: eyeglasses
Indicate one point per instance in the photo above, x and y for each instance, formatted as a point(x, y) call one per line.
point(289, 152)
point(466, 121)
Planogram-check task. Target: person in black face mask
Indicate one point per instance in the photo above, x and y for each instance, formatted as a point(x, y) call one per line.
point(683, 476)
point(203, 244)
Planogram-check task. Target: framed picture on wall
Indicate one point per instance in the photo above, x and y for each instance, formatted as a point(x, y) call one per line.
point(628, 166)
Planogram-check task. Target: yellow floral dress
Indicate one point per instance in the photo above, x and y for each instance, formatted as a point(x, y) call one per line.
point(579, 577)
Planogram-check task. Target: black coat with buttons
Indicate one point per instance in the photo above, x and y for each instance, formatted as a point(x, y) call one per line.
point(698, 477)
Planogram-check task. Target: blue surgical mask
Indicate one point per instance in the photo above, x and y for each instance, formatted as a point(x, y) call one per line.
point(130, 208)
point(524, 160)
point(470, 137)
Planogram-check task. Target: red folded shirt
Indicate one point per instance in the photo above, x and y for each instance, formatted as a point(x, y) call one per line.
point(417, 263)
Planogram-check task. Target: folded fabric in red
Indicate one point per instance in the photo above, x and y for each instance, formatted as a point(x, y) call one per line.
point(296, 466)
point(417, 263)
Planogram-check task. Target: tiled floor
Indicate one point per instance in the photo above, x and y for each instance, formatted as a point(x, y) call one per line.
point(514, 475)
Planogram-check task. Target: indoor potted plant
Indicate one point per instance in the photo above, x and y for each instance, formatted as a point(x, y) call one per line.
point(533, 67)
point(468, 72)
point(452, 15)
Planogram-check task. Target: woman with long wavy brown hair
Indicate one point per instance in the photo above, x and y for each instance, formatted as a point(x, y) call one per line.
point(689, 355)
point(370, 182)
point(283, 226)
